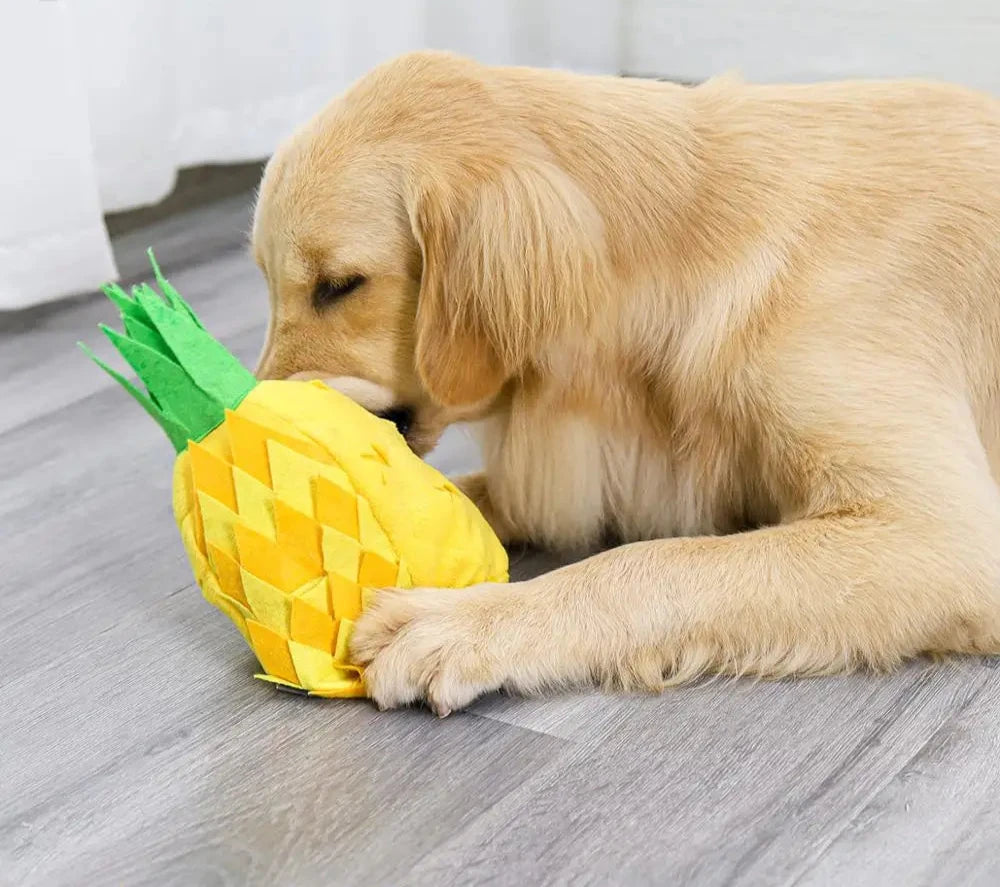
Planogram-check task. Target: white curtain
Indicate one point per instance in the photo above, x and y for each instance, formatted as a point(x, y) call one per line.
point(101, 101)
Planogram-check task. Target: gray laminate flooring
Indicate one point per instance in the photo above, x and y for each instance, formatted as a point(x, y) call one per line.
point(136, 749)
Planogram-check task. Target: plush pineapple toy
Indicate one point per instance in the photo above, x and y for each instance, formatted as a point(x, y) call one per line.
point(293, 502)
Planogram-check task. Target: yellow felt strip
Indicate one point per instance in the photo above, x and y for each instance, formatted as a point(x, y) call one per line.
point(219, 523)
point(270, 563)
point(199, 562)
point(341, 649)
point(403, 578)
point(271, 679)
point(248, 442)
point(208, 583)
point(194, 550)
point(272, 652)
point(185, 501)
point(291, 477)
point(371, 535)
point(381, 453)
point(345, 597)
point(217, 443)
point(335, 506)
point(314, 667)
point(212, 476)
point(256, 409)
point(349, 688)
point(270, 606)
point(233, 610)
point(292, 472)
point(298, 534)
point(312, 627)
point(227, 572)
point(316, 594)
point(349, 671)
point(376, 572)
point(198, 524)
point(343, 681)
point(341, 690)
point(341, 554)
point(183, 492)
point(255, 502)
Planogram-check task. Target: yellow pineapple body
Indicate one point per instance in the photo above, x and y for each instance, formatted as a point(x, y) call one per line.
point(298, 506)
point(293, 502)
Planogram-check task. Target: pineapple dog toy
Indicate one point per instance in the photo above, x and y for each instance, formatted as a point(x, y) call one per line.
point(293, 502)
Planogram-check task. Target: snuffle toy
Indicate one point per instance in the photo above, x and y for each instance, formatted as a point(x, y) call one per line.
point(293, 502)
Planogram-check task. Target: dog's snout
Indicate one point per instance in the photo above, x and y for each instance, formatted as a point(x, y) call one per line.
point(401, 417)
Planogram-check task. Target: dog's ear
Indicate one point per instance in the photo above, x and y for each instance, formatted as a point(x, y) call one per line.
point(511, 256)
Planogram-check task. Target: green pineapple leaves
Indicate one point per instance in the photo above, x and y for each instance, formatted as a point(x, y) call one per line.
point(190, 379)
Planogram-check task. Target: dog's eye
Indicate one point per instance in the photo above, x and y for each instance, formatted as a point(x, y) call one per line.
point(330, 290)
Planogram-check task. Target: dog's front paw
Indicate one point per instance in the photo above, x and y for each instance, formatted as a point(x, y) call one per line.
point(441, 646)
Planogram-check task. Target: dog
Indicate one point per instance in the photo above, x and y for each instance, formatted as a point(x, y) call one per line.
point(749, 332)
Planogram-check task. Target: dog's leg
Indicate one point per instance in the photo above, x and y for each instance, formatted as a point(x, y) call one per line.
point(858, 586)
point(816, 596)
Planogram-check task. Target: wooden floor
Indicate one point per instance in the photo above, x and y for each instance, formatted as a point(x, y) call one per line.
point(136, 749)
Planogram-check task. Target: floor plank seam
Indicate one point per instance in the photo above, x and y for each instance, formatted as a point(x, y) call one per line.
point(567, 745)
point(487, 717)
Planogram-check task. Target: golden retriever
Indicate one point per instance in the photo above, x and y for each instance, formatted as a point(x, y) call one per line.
point(751, 332)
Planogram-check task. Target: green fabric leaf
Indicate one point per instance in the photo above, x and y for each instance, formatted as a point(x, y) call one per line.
point(127, 307)
point(212, 368)
point(190, 379)
point(176, 432)
point(170, 385)
point(146, 334)
point(172, 295)
point(142, 293)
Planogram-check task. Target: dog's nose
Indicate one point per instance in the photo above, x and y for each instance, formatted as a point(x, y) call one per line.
point(401, 417)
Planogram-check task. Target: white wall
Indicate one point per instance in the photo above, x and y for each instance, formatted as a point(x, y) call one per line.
point(775, 40)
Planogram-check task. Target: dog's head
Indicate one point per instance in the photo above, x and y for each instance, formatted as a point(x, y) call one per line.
point(419, 247)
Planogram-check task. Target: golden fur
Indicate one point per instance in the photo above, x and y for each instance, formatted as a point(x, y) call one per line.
point(753, 332)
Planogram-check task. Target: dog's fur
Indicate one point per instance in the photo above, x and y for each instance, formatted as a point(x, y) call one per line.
point(759, 325)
